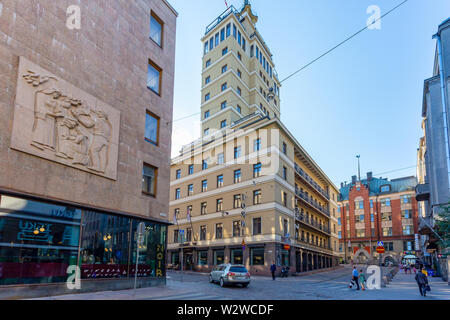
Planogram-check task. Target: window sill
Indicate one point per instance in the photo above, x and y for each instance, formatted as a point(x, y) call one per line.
point(148, 194)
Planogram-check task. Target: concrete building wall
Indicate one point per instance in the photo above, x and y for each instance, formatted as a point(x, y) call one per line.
point(107, 58)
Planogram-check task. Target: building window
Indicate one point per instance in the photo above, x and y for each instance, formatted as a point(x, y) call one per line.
point(156, 29)
point(223, 124)
point(205, 164)
point(239, 73)
point(405, 199)
point(228, 30)
point(224, 68)
point(386, 216)
point(237, 201)
point(257, 197)
point(239, 37)
point(177, 194)
point(237, 176)
point(220, 158)
point(257, 145)
point(407, 230)
point(359, 218)
point(204, 185)
point(191, 169)
point(256, 170)
point(236, 228)
point(406, 214)
point(372, 218)
point(207, 80)
point(223, 105)
point(234, 31)
point(202, 233)
point(206, 50)
point(219, 205)
point(237, 152)
point(211, 43)
point(386, 188)
point(203, 208)
point(176, 236)
point(360, 233)
point(190, 190)
point(224, 87)
point(284, 148)
point(219, 256)
point(216, 39)
point(284, 198)
point(188, 234)
point(385, 202)
point(407, 245)
point(152, 128)
point(203, 258)
point(219, 228)
point(340, 235)
point(154, 77)
point(387, 232)
point(257, 256)
point(284, 173)
point(239, 91)
point(239, 56)
point(256, 226)
point(178, 174)
point(149, 177)
point(238, 109)
point(207, 96)
point(206, 132)
point(208, 63)
point(206, 114)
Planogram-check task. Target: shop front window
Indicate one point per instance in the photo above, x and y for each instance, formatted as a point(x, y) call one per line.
point(203, 258)
point(38, 241)
point(257, 256)
point(285, 258)
point(219, 257)
point(237, 256)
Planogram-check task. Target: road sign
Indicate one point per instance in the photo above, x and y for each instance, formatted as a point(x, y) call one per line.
point(380, 244)
point(380, 249)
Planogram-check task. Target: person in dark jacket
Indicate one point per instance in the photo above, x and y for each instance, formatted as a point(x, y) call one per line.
point(273, 268)
point(422, 282)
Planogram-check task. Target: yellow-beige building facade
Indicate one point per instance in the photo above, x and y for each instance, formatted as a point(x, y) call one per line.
point(247, 192)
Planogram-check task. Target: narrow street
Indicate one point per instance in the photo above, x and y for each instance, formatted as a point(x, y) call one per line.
point(331, 285)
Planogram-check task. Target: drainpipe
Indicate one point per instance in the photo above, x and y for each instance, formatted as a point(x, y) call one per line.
point(444, 103)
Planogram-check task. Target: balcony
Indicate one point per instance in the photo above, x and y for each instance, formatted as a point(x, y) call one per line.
point(313, 245)
point(423, 192)
point(216, 21)
point(311, 203)
point(311, 223)
point(311, 182)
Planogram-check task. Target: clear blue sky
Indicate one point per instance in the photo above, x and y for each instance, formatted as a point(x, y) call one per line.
point(364, 98)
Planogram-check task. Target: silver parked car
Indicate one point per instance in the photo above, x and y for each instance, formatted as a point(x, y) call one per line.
point(230, 274)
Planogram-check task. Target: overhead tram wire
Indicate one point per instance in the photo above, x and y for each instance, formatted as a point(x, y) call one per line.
point(396, 170)
point(318, 58)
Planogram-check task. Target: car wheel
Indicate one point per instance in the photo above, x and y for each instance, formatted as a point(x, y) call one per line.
point(222, 283)
point(210, 279)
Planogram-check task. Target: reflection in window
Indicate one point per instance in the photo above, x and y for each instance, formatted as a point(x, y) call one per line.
point(156, 27)
point(257, 256)
point(154, 78)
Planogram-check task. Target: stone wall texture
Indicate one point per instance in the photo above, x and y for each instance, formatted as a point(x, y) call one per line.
point(108, 59)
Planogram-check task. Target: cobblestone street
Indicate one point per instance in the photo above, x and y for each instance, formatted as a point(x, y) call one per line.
point(330, 285)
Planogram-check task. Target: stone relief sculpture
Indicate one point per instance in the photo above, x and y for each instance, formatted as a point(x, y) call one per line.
point(75, 131)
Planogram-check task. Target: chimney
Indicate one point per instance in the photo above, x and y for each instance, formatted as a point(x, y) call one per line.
point(369, 176)
point(342, 185)
point(354, 179)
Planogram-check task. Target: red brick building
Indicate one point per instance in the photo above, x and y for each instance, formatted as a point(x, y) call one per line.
point(378, 209)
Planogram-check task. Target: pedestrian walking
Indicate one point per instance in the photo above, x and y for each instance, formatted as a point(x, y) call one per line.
point(273, 268)
point(414, 269)
point(422, 282)
point(355, 279)
point(362, 279)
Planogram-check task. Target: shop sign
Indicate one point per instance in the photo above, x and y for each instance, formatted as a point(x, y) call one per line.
point(287, 247)
point(159, 260)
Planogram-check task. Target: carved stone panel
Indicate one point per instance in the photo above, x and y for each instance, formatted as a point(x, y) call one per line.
point(59, 122)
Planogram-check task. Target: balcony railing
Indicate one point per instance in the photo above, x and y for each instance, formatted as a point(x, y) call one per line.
point(216, 21)
point(326, 247)
point(312, 203)
point(314, 184)
point(310, 222)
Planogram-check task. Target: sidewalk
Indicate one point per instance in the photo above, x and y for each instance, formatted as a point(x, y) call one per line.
point(404, 287)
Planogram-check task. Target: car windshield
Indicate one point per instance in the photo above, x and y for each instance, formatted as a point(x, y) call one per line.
point(238, 269)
